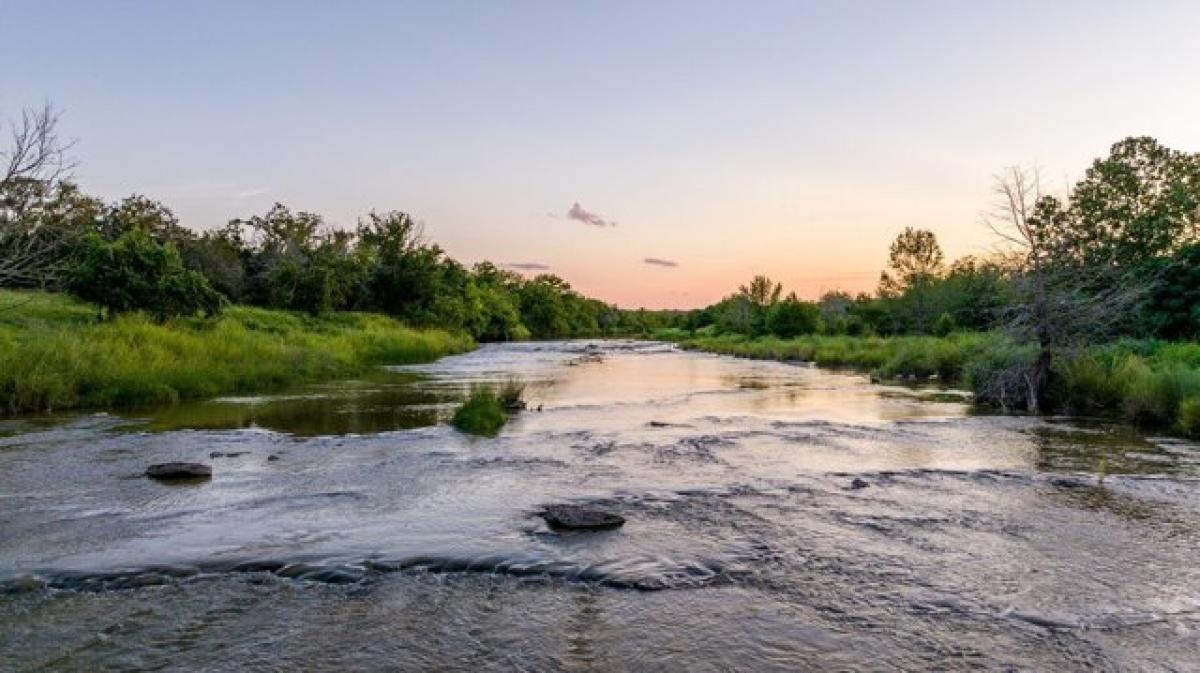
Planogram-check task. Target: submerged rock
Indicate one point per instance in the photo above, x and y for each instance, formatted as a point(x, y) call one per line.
point(576, 517)
point(858, 483)
point(179, 471)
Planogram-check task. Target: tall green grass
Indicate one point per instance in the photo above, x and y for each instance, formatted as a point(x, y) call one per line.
point(55, 352)
point(1148, 383)
point(888, 357)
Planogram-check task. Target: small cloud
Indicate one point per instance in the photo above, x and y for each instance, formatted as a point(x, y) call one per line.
point(527, 266)
point(655, 261)
point(581, 214)
point(250, 193)
point(214, 190)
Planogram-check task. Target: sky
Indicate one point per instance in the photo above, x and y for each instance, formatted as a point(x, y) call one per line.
point(651, 153)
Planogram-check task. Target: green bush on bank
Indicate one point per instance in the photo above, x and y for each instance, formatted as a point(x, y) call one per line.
point(55, 352)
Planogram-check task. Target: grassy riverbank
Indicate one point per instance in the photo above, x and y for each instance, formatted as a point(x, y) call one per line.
point(887, 357)
point(55, 352)
point(1151, 383)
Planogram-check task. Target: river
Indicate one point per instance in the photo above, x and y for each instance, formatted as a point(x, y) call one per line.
point(348, 527)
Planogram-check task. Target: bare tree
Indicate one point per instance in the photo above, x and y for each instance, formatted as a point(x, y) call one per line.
point(34, 170)
point(1067, 300)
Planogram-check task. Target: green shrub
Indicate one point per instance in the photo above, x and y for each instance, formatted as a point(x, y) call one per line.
point(482, 413)
point(791, 318)
point(944, 325)
point(137, 273)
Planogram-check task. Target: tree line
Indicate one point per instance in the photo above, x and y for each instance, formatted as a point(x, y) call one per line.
point(1117, 256)
point(135, 255)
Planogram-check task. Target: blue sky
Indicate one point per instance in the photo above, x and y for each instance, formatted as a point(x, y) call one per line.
point(729, 138)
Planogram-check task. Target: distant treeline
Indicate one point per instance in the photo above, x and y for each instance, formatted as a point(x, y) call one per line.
point(134, 255)
point(1133, 220)
point(1118, 257)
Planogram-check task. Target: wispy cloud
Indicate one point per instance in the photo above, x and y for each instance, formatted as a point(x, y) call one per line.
point(655, 261)
point(581, 214)
point(527, 266)
point(250, 193)
point(214, 190)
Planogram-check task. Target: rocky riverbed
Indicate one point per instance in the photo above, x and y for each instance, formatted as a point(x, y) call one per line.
point(776, 517)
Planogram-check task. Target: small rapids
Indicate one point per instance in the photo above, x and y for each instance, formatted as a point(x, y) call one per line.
point(778, 517)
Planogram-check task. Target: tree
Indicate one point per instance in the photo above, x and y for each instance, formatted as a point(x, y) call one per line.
point(37, 201)
point(738, 314)
point(220, 256)
point(762, 291)
point(1063, 299)
point(792, 317)
point(36, 161)
point(1174, 310)
point(141, 213)
point(542, 307)
point(974, 292)
point(915, 258)
point(915, 264)
point(136, 273)
point(1139, 202)
point(493, 313)
point(290, 260)
point(745, 311)
point(835, 309)
point(332, 276)
point(407, 274)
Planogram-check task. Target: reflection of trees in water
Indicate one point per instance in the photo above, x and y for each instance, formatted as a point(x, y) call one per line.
point(584, 626)
point(316, 411)
point(1095, 447)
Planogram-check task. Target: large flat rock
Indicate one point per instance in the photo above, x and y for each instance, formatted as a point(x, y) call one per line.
point(577, 517)
point(179, 471)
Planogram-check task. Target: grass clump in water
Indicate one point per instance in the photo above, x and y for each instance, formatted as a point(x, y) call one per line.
point(481, 414)
point(511, 394)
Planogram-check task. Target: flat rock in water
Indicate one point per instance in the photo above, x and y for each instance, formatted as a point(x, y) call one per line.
point(173, 471)
point(575, 517)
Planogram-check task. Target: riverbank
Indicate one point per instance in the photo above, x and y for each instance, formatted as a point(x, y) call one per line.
point(1153, 384)
point(56, 352)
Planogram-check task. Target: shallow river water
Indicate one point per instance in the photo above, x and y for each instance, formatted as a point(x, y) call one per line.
point(347, 527)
